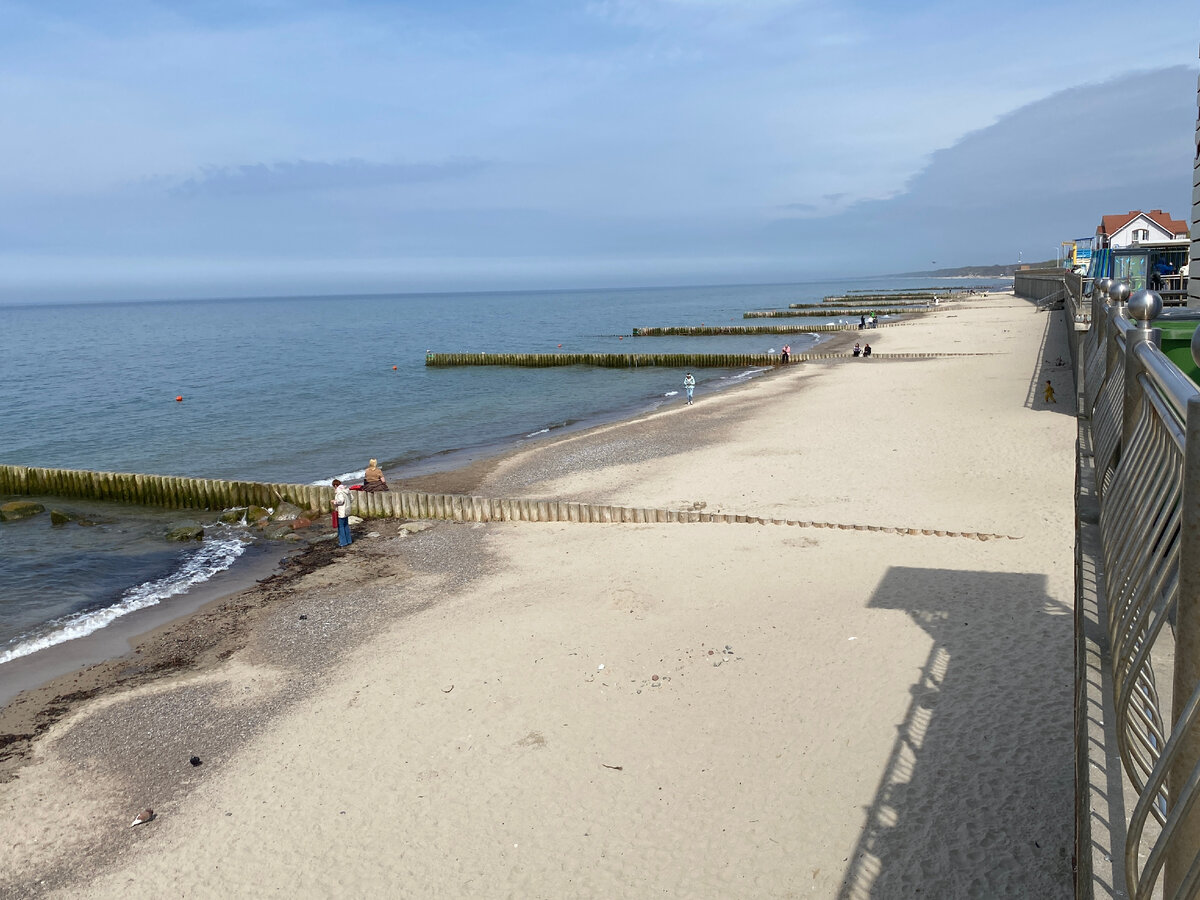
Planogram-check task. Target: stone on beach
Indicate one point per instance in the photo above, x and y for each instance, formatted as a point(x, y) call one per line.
point(185, 531)
point(20, 509)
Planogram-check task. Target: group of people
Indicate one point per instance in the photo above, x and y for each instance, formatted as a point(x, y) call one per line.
point(862, 351)
point(864, 322)
point(373, 482)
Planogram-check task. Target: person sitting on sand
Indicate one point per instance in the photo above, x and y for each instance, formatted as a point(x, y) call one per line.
point(866, 351)
point(857, 349)
point(373, 480)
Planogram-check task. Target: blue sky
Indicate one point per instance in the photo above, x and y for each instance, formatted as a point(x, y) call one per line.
point(174, 149)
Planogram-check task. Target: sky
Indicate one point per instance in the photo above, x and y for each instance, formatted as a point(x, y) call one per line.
point(207, 148)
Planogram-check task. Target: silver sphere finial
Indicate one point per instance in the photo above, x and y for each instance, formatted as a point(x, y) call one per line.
point(1119, 292)
point(1105, 285)
point(1144, 306)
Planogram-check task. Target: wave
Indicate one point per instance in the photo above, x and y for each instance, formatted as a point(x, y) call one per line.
point(347, 476)
point(212, 557)
point(671, 394)
point(535, 433)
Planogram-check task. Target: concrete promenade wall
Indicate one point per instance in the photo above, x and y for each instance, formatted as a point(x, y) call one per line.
point(175, 492)
point(1038, 284)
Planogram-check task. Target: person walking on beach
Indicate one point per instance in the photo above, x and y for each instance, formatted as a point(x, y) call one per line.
point(787, 352)
point(689, 385)
point(1049, 392)
point(341, 506)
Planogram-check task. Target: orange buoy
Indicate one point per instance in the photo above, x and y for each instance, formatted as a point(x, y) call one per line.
point(393, 368)
point(560, 345)
point(179, 399)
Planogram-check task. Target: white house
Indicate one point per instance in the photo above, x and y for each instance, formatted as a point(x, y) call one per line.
point(1137, 227)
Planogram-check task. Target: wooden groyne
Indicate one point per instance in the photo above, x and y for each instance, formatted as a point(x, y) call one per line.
point(606, 360)
point(658, 360)
point(170, 491)
point(886, 298)
point(826, 312)
point(708, 330)
point(205, 493)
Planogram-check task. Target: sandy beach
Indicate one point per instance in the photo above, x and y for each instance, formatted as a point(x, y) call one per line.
point(628, 710)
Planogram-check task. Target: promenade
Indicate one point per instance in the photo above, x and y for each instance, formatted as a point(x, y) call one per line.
point(620, 710)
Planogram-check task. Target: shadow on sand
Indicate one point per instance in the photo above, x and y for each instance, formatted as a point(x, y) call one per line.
point(976, 798)
point(1053, 365)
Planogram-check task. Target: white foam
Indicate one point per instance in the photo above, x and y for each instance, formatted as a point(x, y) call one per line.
point(535, 433)
point(671, 394)
point(211, 557)
point(349, 476)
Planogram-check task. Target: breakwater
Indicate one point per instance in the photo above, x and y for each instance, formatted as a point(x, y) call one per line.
point(874, 304)
point(825, 312)
point(708, 330)
point(651, 360)
point(214, 494)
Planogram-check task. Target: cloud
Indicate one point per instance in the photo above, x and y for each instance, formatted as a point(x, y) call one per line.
point(1044, 173)
point(306, 175)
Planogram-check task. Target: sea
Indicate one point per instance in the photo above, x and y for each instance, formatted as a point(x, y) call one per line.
point(304, 389)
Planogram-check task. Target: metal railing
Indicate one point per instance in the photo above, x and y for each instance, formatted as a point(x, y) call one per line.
point(1145, 419)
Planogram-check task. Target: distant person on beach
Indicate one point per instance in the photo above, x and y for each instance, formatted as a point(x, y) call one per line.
point(341, 506)
point(874, 319)
point(373, 480)
point(1049, 392)
point(857, 349)
point(866, 351)
point(862, 322)
point(689, 385)
point(787, 352)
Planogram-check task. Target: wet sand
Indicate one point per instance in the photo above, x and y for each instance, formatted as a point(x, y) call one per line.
point(551, 709)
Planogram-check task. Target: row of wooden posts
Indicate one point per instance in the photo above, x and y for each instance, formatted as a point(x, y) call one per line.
point(213, 494)
point(826, 312)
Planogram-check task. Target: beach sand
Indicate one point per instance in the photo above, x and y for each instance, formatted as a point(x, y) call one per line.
point(699, 710)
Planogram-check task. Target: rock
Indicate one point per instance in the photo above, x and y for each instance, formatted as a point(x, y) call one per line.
point(186, 531)
point(142, 818)
point(286, 512)
point(302, 522)
point(233, 516)
point(255, 513)
point(277, 532)
point(63, 516)
point(415, 527)
point(355, 520)
point(20, 509)
point(195, 760)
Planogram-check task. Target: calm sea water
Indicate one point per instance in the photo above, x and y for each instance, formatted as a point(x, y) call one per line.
point(302, 389)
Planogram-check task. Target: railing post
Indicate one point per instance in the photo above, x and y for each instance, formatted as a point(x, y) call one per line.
point(1143, 307)
point(1186, 843)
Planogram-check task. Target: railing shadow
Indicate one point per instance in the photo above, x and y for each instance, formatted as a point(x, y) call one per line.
point(1053, 365)
point(976, 798)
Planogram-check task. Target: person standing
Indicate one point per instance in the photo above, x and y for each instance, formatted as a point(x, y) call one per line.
point(689, 385)
point(787, 352)
point(1049, 392)
point(341, 506)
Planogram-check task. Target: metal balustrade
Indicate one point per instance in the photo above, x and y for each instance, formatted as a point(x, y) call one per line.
point(1145, 421)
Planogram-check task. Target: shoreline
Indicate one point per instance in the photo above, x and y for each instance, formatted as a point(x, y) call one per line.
point(47, 686)
point(385, 651)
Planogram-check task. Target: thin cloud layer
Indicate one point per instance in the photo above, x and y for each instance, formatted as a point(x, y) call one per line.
point(305, 175)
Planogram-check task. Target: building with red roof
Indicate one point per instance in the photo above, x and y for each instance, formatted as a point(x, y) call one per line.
point(1137, 227)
